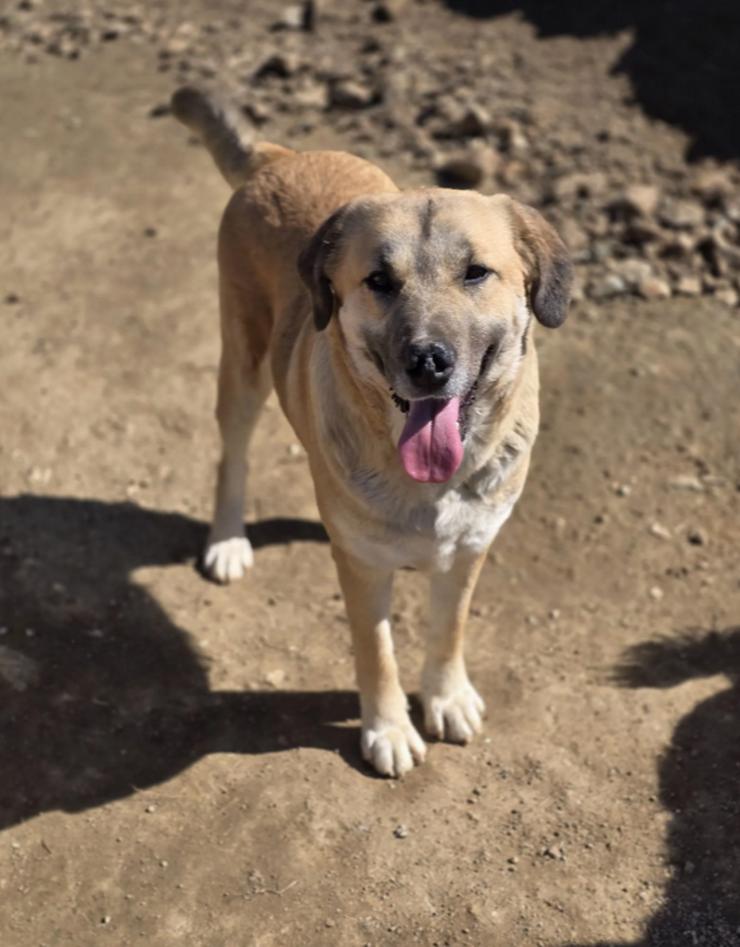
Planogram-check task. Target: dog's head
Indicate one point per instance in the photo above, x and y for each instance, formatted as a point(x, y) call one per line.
point(434, 292)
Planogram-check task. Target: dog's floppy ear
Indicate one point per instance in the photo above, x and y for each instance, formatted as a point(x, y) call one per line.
point(549, 270)
point(312, 265)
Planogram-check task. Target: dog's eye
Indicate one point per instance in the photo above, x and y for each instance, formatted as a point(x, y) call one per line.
point(379, 282)
point(476, 273)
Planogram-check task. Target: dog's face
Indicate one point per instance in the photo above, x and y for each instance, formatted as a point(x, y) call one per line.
point(434, 292)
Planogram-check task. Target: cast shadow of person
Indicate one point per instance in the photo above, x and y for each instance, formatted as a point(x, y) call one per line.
point(100, 693)
point(682, 62)
point(699, 781)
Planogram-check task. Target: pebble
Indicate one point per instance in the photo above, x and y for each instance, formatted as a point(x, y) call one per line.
point(468, 169)
point(697, 537)
point(686, 482)
point(348, 94)
point(688, 286)
point(660, 531)
point(681, 214)
point(656, 593)
point(401, 831)
point(653, 287)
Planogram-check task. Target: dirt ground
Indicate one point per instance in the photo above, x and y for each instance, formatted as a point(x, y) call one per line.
point(180, 760)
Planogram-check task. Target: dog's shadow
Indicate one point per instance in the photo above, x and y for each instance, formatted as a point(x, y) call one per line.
point(101, 694)
point(699, 781)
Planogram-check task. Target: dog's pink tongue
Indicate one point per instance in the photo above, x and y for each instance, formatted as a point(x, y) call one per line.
point(430, 446)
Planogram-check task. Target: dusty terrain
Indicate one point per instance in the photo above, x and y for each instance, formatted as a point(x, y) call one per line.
point(179, 760)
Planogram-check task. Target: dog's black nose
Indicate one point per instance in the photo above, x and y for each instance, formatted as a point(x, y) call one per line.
point(429, 365)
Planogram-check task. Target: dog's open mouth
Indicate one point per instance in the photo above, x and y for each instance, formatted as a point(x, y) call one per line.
point(431, 443)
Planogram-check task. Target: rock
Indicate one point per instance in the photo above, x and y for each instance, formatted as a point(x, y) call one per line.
point(578, 186)
point(653, 287)
point(688, 286)
point(681, 214)
point(401, 831)
point(632, 271)
point(656, 593)
point(713, 185)
point(275, 678)
point(281, 65)
point(660, 531)
point(637, 200)
point(311, 95)
point(467, 169)
point(298, 16)
point(349, 94)
point(607, 287)
point(388, 10)
point(686, 482)
point(697, 537)
point(513, 138)
point(728, 296)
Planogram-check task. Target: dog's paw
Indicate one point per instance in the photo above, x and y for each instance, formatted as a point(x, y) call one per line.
point(392, 747)
point(454, 712)
point(227, 559)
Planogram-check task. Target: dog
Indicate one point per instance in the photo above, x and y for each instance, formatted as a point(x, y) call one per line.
point(397, 329)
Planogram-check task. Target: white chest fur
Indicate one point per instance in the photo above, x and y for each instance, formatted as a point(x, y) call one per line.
point(425, 535)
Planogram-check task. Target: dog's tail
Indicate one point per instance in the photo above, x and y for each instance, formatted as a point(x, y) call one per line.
point(224, 132)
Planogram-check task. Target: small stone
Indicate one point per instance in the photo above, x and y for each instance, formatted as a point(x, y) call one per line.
point(633, 272)
point(688, 286)
point(348, 94)
point(281, 65)
point(275, 678)
point(468, 169)
point(106, 919)
point(653, 287)
point(660, 531)
point(513, 138)
point(638, 200)
point(728, 296)
point(681, 214)
point(607, 287)
point(578, 186)
point(656, 593)
point(311, 95)
point(686, 482)
point(298, 16)
point(401, 831)
point(713, 185)
point(150, 808)
point(160, 110)
point(388, 10)
point(623, 489)
point(697, 537)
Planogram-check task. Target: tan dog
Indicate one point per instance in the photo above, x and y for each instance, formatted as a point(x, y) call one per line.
point(397, 330)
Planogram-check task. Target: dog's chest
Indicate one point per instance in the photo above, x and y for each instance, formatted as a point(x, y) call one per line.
point(427, 536)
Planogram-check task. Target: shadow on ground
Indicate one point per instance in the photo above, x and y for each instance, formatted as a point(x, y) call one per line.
point(683, 62)
point(101, 694)
point(699, 778)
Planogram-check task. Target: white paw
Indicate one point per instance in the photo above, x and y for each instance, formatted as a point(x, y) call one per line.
point(227, 559)
point(392, 748)
point(455, 713)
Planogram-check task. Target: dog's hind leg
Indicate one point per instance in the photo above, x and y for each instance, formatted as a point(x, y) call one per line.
point(244, 382)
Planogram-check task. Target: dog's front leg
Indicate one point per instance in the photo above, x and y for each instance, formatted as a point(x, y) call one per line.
point(452, 707)
point(389, 740)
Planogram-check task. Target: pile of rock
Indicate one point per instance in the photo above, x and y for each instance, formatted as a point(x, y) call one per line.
point(636, 222)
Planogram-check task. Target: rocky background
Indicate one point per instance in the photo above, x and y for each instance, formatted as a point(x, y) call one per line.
point(454, 107)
